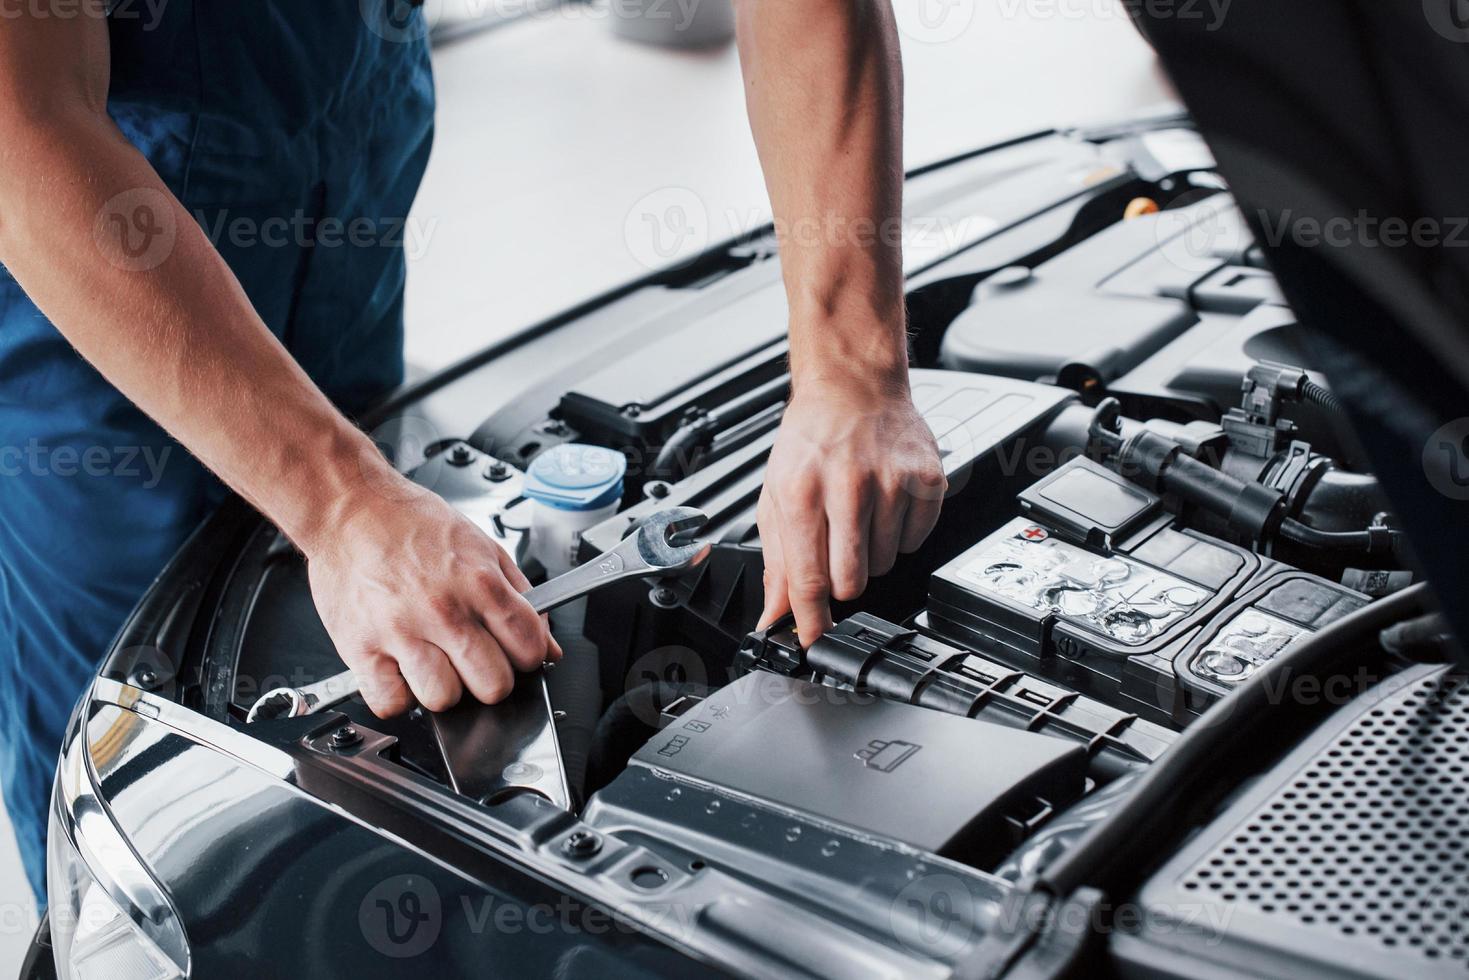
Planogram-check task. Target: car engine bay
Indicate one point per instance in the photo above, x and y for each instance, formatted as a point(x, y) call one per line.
point(1152, 497)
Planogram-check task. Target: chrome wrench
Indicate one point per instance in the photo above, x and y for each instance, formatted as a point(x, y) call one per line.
point(662, 545)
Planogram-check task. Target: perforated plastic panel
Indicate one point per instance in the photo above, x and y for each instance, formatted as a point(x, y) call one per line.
point(1351, 857)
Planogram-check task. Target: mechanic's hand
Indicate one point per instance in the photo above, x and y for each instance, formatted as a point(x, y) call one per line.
point(411, 591)
point(853, 480)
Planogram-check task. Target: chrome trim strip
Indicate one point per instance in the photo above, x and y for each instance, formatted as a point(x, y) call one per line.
point(84, 817)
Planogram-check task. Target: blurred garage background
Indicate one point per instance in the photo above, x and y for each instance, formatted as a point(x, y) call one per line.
point(569, 161)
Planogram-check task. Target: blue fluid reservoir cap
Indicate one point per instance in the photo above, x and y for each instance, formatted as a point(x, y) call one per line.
point(576, 477)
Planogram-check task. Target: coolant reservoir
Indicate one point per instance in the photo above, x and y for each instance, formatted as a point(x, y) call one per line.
point(572, 488)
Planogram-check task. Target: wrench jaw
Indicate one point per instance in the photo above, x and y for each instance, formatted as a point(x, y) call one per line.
point(283, 702)
point(666, 540)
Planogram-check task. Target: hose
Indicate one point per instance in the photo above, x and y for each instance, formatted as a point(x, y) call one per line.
point(1195, 765)
point(1374, 540)
point(675, 460)
point(1321, 395)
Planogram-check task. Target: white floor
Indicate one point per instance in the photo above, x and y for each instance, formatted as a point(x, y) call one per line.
point(557, 143)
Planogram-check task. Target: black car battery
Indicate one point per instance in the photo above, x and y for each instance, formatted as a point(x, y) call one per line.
point(1098, 587)
point(1265, 622)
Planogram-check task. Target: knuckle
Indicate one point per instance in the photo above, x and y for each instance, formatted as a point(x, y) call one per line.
point(809, 587)
point(442, 696)
point(492, 582)
point(525, 625)
point(437, 702)
point(848, 586)
point(387, 706)
point(410, 657)
point(802, 486)
point(498, 690)
point(403, 627)
point(442, 608)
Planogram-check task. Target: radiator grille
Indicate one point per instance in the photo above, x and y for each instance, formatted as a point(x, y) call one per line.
point(1369, 841)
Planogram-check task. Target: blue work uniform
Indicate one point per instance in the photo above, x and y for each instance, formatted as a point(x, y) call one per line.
point(296, 132)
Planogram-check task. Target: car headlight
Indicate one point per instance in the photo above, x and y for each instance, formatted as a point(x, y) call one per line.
point(110, 919)
point(91, 937)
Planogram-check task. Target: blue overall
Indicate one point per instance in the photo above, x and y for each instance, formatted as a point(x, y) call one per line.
point(296, 132)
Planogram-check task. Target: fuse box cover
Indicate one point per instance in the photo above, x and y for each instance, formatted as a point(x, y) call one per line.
point(936, 781)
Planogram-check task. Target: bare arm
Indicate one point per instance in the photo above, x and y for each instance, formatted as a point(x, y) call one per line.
point(167, 323)
point(855, 475)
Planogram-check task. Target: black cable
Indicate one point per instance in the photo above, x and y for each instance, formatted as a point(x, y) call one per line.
point(1198, 759)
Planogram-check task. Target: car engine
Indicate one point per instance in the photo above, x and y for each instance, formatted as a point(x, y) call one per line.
point(1151, 498)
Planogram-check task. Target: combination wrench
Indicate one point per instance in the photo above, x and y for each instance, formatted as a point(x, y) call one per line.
point(662, 545)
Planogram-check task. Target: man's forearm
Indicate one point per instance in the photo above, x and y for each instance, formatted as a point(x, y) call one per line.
point(824, 85)
point(178, 337)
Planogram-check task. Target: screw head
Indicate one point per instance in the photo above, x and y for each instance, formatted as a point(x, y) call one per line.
point(497, 472)
point(145, 677)
point(345, 737)
point(461, 455)
point(582, 843)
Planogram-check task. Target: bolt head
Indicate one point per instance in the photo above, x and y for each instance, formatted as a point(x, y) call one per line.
point(582, 843)
point(345, 737)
